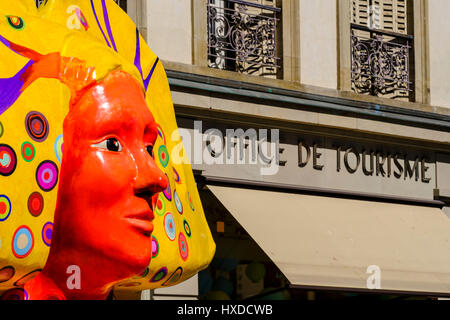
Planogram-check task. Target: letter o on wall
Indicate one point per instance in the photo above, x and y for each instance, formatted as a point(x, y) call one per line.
point(347, 165)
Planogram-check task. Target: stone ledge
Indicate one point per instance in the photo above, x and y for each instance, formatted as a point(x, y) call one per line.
point(289, 85)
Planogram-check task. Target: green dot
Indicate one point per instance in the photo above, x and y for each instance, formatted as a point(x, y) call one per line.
point(163, 156)
point(16, 22)
point(175, 278)
point(27, 151)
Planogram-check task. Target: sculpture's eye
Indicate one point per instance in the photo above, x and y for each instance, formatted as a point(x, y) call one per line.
point(150, 151)
point(110, 144)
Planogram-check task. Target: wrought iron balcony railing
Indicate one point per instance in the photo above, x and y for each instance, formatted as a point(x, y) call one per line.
point(380, 63)
point(242, 36)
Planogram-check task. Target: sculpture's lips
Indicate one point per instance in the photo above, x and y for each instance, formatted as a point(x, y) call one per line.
point(142, 222)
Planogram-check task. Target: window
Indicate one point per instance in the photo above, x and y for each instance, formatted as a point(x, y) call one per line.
point(240, 269)
point(243, 36)
point(122, 4)
point(382, 48)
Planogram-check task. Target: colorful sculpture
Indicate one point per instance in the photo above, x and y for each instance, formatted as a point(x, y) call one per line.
point(79, 86)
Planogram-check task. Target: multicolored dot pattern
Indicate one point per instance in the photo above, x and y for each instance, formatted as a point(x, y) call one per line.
point(27, 201)
point(26, 238)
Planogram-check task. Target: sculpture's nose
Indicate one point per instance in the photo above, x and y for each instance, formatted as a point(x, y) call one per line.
point(149, 178)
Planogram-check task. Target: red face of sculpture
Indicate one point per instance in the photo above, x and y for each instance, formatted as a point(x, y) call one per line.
point(109, 178)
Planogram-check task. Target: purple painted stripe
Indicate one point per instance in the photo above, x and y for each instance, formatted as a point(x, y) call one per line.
point(108, 25)
point(98, 23)
point(147, 81)
point(5, 42)
point(137, 57)
point(11, 89)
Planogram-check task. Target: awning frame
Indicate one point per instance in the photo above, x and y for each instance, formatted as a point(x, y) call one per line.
point(203, 180)
point(264, 186)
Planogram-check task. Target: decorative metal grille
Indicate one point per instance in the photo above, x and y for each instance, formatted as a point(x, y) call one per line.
point(381, 49)
point(242, 36)
point(380, 63)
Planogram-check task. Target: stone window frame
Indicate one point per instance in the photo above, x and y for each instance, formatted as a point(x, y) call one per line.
point(421, 56)
point(290, 31)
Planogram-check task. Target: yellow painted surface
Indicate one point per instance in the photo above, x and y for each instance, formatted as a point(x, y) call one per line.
point(55, 27)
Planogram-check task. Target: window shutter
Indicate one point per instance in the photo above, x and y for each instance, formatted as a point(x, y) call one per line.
point(360, 12)
point(401, 14)
point(388, 15)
